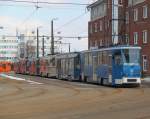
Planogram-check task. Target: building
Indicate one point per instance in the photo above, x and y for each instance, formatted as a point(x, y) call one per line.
point(121, 22)
point(21, 47)
point(8, 48)
point(27, 47)
point(138, 29)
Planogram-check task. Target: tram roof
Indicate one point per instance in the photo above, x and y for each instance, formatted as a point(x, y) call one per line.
point(114, 48)
point(68, 55)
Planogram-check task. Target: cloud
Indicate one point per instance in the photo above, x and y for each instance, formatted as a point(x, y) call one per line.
point(11, 23)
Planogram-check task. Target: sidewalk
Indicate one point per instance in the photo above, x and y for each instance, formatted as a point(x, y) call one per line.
point(146, 79)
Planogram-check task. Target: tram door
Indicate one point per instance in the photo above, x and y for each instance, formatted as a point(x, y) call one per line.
point(94, 59)
point(59, 68)
point(117, 65)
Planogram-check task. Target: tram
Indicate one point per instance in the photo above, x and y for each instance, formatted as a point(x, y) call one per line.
point(112, 66)
point(107, 66)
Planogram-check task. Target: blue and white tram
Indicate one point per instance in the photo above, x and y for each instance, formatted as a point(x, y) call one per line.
point(112, 66)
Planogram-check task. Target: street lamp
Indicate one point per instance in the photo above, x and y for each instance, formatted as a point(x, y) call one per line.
point(43, 46)
point(38, 41)
point(52, 36)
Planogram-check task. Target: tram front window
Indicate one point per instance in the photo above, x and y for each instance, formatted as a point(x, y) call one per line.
point(131, 56)
point(117, 57)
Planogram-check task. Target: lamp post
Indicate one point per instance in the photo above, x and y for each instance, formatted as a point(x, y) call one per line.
point(37, 62)
point(43, 51)
point(37, 49)
point(52, 36)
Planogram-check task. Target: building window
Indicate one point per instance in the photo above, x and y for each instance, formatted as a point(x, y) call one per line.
point(96, 43)
point(100, 26)
point(127, 38)
point(145, 11)
point(91, 29)
point(145, 63)
point(135, 14)
point(121, 1)
point(95, 27)
point(135, 38)
point(144, 34)
point(101, 42)
point(127, 17)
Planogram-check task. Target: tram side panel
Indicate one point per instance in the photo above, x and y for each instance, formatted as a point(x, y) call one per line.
point(33, 67)
point(42, 70)
point(68, 66)
point(96, 67)
point(86, 66)
point(15, 67)
point(51, 66)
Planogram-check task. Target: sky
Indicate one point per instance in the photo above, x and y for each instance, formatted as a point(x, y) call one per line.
point(71, 20)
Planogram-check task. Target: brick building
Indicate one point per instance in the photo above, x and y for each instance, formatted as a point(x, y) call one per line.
point(115, 22)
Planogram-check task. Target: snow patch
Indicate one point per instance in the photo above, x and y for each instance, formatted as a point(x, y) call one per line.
point(11, 77)
point(33, 82)
point(20, 79)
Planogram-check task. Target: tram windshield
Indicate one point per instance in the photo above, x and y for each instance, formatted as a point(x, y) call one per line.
point(131, 56)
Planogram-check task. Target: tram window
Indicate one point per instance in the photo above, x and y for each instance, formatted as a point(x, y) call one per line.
point(90, 58)
point(77, 61)
point(110, 60)
point(86, 59)
point(117, 58)
point(52, 61)
point(126, 54)
point(105, 57)
point(100, 58)
point(71, 64)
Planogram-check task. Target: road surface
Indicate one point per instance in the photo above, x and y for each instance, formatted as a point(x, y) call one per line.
point(55, 99)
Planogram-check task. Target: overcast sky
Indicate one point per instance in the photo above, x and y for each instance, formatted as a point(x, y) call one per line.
point(72, 20)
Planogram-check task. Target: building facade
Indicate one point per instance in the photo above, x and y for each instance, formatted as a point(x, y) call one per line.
point(8, 48)
point(121, 22)
point(27, 46)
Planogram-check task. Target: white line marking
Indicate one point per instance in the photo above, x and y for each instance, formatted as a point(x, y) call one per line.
point(33, 82)
point(20, 79)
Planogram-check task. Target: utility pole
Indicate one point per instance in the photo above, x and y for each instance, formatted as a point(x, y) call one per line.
point(43, 46)
point(37, 49)
point(52, 38)
point(69, 47)
point(37, 61)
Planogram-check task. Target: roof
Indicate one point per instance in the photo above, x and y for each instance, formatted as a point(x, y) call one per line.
point(95, 3)
point(114, 48)
point(67, 55)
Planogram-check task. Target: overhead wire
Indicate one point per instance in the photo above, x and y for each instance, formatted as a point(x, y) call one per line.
point(12, 5)
point(46, 36)
point(28, 17)
point(50, 3)
point(41, 6)
point(72, 20)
